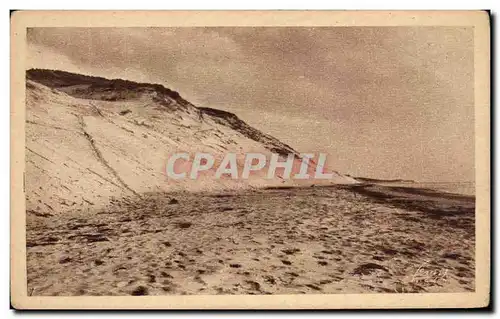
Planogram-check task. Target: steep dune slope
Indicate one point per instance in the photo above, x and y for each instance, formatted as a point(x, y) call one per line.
point(90, 139)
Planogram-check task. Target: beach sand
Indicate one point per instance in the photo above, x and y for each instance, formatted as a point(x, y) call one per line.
point(337, 239)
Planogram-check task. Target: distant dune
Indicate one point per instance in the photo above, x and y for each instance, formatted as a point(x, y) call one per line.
point(376, 180)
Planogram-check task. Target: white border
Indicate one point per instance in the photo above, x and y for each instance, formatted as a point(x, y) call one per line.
point(185, 4)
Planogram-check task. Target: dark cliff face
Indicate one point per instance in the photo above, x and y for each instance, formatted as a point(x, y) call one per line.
point(92, 87)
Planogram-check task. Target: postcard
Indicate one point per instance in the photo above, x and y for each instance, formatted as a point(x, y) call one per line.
point(250, 159)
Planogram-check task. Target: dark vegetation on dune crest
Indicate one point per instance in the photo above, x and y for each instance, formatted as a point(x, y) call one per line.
point(231, 120)
point(93, 87)
point(60, 79)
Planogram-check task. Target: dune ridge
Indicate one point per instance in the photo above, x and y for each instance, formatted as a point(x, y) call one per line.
point(90, 139)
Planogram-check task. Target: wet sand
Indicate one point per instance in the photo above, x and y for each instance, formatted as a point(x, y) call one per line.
point(337, 239)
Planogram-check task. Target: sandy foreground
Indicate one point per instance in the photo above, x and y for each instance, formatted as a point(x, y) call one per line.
point(301, 240)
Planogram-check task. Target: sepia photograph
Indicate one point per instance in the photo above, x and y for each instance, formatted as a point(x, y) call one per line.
point(253, 159)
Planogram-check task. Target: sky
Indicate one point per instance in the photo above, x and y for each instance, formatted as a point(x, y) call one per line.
point(382, 102)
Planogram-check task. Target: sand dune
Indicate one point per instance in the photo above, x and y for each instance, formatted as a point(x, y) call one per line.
point(90, 139)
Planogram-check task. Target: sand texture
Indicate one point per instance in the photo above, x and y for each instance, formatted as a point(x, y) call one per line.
point(338, 239)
